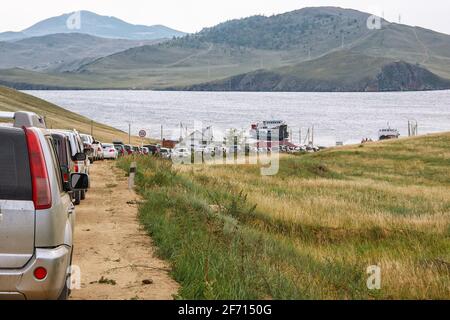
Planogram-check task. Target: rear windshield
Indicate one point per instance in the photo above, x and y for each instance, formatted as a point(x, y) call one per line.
point(15, 177)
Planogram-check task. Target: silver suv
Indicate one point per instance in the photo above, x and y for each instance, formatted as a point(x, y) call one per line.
point(37, 216)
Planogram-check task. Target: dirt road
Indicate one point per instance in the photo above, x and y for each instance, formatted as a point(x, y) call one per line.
point(115, 256)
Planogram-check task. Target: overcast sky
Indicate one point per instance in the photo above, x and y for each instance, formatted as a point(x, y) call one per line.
point(193, 15)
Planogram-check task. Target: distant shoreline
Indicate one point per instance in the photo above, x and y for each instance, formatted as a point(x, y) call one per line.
point(56, 88)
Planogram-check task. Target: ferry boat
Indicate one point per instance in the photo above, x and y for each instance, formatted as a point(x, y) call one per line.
point(388, 133)
point(266, 130)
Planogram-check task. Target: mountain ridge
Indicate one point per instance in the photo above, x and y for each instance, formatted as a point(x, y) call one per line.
point(316, 48)
point(60, 52)
point(92, 24)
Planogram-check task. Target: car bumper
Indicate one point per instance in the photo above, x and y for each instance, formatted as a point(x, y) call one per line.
point(21, 284)
point(110, 156)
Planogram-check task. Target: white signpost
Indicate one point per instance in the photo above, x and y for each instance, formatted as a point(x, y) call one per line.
point(142, 135)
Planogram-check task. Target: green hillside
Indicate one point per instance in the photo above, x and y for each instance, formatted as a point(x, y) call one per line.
point(351, 71)
point(60, 52)
point(296, 44)
point(317, 29)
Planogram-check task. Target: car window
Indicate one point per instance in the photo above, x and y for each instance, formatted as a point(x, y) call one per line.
point(55, 163)
point(15, 176)
point(61, 149)
point(80, 144)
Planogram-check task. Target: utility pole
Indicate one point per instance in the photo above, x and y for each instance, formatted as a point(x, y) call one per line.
point(129, 132)
point(162, 133)
point(181, 131)
point(209, 70)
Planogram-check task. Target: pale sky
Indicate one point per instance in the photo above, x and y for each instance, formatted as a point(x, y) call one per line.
point(193, 15)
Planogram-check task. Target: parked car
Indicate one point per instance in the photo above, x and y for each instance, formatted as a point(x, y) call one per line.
point(145, 151)
point(37, 214)
point(80, 166)
point(128, 149)
point(89, 148)
point(98, 146)
point(154, 149)
point(166, 153)
point(109, 151)
point(136, 150)
point(181, 155)
point(120, 150)
point(67, 163)
point(120, 147)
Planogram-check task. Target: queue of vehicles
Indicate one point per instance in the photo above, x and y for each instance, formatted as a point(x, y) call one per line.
point(44, 176)
point(146, 150)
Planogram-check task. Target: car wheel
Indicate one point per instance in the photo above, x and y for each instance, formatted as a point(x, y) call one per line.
point(77, 198)
point(83, 195)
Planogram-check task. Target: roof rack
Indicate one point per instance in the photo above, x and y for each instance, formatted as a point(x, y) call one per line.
point(24, 119)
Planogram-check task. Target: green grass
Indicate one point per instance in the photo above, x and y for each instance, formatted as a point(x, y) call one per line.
point(311, 231)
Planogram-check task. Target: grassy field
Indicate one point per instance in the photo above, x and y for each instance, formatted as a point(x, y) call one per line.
point(57, 117)
point(311, 231)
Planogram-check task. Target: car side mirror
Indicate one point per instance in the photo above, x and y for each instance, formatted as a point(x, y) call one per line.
point(79, 181)
point(80, 157)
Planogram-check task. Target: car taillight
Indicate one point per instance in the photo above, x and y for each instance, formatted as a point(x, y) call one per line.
point(42, 196)
point(76, 168)
point(66, 177)
point(40, 273)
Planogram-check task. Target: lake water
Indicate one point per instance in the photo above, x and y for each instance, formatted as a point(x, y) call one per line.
point(346, 117)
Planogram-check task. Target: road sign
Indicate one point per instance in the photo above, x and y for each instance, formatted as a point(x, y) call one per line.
point(142, 133)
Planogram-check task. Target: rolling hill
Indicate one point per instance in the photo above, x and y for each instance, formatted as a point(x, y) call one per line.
point(350, 72)
point(321, 49)
point(95, 25)
point(60, 52)
point(310, 29)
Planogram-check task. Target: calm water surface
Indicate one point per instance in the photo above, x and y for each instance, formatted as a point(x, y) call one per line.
point(346, 117)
